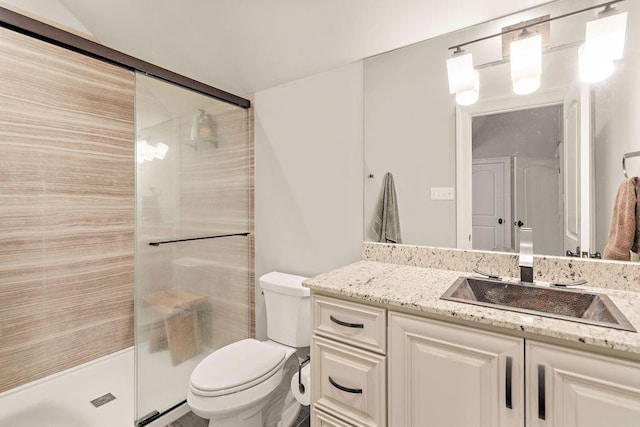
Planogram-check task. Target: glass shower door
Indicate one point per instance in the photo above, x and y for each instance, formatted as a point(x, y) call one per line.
point(193, 275)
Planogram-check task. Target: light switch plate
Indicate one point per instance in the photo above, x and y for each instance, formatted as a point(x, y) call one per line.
point(442, 193)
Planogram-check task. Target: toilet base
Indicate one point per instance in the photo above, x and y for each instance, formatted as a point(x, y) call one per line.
point(289, 415)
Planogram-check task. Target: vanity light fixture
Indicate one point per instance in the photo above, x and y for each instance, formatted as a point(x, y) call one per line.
point(464, 80)
point(160, 149)
point(604, 44)
point(148, 152)
point(526, 62)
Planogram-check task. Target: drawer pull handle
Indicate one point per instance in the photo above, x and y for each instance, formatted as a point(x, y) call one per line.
point(348, 325)
point(343, 388)
point(507, 386)
point(541, 392)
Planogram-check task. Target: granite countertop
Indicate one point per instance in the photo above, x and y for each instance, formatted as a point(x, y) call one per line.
point(420, 288)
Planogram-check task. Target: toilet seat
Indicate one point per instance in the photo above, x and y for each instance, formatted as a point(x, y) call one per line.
point(237, 367)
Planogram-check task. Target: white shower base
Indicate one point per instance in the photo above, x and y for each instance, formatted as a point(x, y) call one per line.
point(63, 399)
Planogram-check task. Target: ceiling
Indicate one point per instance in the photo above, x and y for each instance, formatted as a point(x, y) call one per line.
point(244, 46)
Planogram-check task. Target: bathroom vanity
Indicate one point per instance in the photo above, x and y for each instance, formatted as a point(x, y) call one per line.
point(387, 350)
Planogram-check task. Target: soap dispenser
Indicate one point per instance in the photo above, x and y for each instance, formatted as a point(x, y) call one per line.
point(205, 125)
point(202, 126)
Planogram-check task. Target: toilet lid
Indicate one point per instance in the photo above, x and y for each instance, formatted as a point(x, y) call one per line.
point(237, 366)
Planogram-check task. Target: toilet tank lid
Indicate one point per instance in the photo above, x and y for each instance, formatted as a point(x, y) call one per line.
point(284, 283)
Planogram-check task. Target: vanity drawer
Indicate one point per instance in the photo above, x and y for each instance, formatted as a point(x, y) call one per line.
point(357, 324)
point(320, 419)
point(350, 382)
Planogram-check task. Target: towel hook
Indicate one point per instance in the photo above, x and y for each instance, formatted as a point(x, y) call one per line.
point(624, 158)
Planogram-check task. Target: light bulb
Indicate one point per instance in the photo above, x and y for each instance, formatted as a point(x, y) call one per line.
point(160, 150)
point(593, 70)
point(526, 64)
point(464, 81)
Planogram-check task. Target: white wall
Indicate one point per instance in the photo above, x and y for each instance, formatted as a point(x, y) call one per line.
point(50, 11)
point(308, 176)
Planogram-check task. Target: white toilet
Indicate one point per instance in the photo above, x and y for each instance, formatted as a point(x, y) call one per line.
point(232, 385)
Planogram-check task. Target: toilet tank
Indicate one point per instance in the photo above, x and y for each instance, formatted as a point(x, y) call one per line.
point(288, 309)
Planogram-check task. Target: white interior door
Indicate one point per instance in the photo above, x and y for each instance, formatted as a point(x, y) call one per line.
point(491, 203)
point(538, 203)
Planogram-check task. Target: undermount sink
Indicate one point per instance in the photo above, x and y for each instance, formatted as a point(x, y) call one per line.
point(566, 304)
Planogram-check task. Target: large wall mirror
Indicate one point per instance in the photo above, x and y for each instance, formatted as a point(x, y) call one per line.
point(471, 176)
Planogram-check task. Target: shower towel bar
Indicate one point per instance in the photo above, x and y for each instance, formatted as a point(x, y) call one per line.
point(217, 236)
point(625, 157)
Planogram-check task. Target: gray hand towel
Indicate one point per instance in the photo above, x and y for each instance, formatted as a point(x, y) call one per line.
point(386, 225)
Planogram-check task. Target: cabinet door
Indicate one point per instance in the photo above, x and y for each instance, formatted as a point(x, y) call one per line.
point(444, 375)
point(568, 388)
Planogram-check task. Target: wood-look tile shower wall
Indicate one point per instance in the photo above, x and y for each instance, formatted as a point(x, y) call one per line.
point(66, 209)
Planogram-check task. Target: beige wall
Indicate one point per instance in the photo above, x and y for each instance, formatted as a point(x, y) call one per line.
point(66, 209)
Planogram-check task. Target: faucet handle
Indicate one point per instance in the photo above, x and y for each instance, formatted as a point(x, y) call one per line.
point(564, 285)
point(526, 247)
point(487, 275)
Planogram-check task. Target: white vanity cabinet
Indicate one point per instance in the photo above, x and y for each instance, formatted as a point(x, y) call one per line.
point(568, 388)
point(446, 375)
point(413, 371)
point(443, 374)
point(348, 364)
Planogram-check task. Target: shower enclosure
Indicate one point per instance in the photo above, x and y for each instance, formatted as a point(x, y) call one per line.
point(193, 261)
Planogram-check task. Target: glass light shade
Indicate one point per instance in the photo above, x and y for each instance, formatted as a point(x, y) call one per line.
point(604, 39)
point(160, 150)
point(144, 151)
point(593, 70)
point(526, 64)
point(526, 85)
point(469, 96)
point(140, 150)
point(461, 73)
point(464, 81)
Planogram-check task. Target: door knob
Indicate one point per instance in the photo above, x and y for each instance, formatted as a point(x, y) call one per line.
point(499, 220)
point(518, 223)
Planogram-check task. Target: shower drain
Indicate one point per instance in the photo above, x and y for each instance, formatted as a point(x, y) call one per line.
point(102, 400)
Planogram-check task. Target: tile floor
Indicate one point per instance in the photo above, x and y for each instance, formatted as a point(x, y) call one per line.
point(192, 420)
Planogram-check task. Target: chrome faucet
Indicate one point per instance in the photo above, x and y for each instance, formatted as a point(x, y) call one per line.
point(526, 255)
